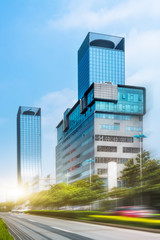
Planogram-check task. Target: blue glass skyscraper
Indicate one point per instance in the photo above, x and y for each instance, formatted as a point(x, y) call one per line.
point(102, 123)
point(100, 59)
point(28, 144)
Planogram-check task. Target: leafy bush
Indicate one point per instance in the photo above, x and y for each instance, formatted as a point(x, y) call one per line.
point(66, 214)
point(4, 234)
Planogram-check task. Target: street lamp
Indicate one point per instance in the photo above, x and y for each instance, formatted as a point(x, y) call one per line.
point(90, 161)
point(67, 175)
point(140, 137)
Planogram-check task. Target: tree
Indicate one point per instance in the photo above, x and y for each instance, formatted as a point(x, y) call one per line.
point(40, 199)
point(59, 195)
point(84, 193)
point(151, 183)
point(138, 190)
point(131, 173)
point(6, 206)
point(80, 192)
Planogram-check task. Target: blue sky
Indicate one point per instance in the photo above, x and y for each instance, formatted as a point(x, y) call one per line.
point(38, 63)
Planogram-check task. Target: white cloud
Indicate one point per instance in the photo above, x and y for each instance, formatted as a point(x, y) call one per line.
point(90, 15)
point(142, 49)
point(53, 106)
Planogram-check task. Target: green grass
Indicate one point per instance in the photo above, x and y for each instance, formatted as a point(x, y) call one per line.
point(4, 234)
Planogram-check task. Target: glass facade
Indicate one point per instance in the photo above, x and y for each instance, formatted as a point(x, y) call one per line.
point(28, 144)
point(106, 65)
point(100, 59)
point(130, 101)
point(75, 118)
point(74, 150)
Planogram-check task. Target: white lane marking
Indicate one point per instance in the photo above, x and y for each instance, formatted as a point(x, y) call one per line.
point(62, 229)
point(31, 220)
point(14, 233)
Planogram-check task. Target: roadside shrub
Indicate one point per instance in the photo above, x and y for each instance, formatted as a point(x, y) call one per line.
point(66, 214)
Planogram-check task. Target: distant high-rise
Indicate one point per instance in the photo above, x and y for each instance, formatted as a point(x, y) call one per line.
point(100, 59)
point(28, 144)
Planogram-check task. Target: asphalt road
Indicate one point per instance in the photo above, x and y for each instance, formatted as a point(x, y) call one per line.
point(29, 227)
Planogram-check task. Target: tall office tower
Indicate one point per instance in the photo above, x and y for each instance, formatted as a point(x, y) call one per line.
point(98, 131)
point(28, 144)
point(100, 60)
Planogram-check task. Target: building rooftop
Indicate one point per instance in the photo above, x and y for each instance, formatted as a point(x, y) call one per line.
point(29, 111)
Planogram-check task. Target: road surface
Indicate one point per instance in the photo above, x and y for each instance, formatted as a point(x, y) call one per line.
point(30, 227)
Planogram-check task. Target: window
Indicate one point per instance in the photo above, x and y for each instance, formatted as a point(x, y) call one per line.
point(110, 127)
point(134, 129)
point(109, 138)
point(107, 160)
point(87, 141)
point(87, 151)
point(112, 116)
point(106, 149)
point(131, 150)
point(74, 167)
point(101, 171)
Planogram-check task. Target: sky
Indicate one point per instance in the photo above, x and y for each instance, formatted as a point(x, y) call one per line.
point(39, 41)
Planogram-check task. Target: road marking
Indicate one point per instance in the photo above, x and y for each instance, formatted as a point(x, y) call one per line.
point(14, 233)
point(31, 220)
point(62, 229)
